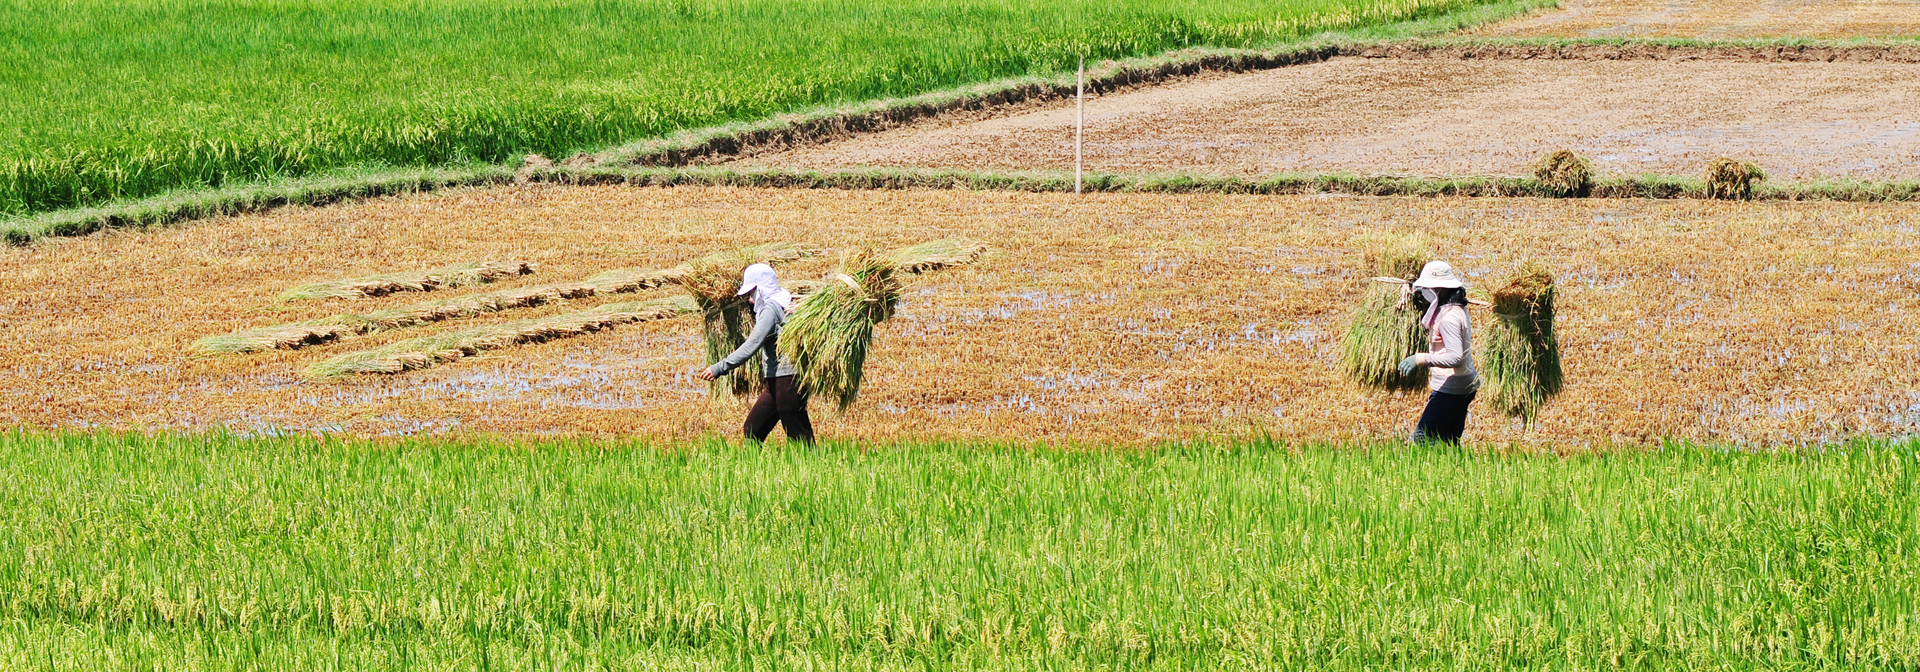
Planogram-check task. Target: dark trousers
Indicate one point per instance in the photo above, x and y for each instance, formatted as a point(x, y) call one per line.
point(780, 404)
point(1445, 418)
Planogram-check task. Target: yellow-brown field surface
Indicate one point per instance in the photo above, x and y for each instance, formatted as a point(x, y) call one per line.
point(1111, 318)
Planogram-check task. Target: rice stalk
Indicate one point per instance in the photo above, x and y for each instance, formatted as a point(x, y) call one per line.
point(713, 282)
point(449, 277)
point(829, 335)
point(1732, 180)
point(1385, 328)
point(1520, 357)
point(1565, 174)
point(427, 351)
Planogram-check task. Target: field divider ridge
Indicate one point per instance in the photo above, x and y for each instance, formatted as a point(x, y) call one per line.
point(1482, 186)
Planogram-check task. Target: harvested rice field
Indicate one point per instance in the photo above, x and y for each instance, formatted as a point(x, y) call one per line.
point(1446, 116)
point(1719, 19)
point(1111, 318)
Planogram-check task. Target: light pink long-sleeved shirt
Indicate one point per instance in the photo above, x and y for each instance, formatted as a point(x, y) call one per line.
point(1451, 353)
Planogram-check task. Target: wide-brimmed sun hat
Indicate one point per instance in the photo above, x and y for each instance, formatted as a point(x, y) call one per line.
point(1438, 275)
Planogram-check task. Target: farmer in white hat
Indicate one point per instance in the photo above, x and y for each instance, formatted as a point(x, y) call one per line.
point(1451, 376)
point(780, 403)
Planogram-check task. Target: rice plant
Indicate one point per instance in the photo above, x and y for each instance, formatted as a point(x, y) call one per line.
point(221, 552)
point(1520, 355)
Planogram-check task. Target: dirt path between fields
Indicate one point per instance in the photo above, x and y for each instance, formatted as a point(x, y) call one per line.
point(1719, 19)
point(1442, 116)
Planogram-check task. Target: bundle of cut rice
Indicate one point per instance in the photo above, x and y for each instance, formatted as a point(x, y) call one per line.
point(1520, 358)
point(1385, 328)
point(726, 317)
point(1732, 180)
point(1565, 174)
point(829, 335)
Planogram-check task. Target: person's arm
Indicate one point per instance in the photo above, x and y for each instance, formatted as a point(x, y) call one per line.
point(763, 324)
point(1453, 338)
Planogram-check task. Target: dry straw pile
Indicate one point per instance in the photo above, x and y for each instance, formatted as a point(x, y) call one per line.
point(713, 282)
point(829, 334)
point(1520, 354)
point(427, 351)
point(1732, 180)
point(450, 277)
point(1384, 328)
point(1565, 174)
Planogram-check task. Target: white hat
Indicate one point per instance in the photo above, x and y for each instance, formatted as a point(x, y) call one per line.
point(1437, 275)
point(755, 277)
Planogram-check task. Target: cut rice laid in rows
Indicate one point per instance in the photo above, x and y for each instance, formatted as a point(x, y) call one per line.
point(450, 277)
point(427, 351)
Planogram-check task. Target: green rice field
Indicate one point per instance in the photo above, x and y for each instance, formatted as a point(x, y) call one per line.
point(103, 100)
point(143, 552)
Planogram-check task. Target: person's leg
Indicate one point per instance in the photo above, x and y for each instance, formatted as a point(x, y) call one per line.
point(1453, 424)
point(763, 417)
point(1427, 427)
point(793, 410)
point(1445, 418)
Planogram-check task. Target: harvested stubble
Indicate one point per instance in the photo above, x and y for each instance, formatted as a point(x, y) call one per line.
point(713, 282)
point(1127, 319)
point(829, 335)
point(326, 330)
point(1520, 356)
point(450, 277)
point(426, 351)
point(1385, 328)
point(1732, 180)
point(1565, 174)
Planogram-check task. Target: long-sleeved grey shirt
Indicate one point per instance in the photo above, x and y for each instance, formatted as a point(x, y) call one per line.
point(1451, 353)
point(768, 317)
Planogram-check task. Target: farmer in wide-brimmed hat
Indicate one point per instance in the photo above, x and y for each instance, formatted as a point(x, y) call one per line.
point(780, 402)
point(1442, 299)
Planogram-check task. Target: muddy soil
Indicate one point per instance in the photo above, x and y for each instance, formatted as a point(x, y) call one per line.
point(1440, 116)
point(1719, 19)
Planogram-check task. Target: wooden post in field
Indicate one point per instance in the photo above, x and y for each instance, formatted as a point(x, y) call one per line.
point(1079, 119)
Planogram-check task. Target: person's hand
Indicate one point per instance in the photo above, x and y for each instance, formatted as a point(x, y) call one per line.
point(1408, 365)
point(705, 374)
